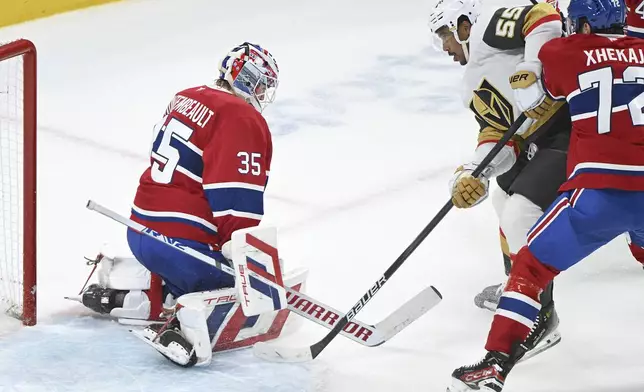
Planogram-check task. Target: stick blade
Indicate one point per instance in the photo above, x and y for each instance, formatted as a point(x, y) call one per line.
point(412, 310)
point(274, 353)
point(76, 298)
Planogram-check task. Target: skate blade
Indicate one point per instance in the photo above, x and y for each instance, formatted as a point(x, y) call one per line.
point(460, 386)
point(76, 298)
point(181, 360)
point(457, 386)
point(550, 341)
point(137, 322)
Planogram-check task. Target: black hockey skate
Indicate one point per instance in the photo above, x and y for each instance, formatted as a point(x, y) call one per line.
point(103, 300)
point(544, 334)
point(169, 341)
point(487, 375)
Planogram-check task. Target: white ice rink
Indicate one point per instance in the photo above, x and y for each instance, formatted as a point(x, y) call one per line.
point(368, 128)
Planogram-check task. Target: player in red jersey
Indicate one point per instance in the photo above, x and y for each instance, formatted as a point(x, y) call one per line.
point(603, 82)
point(635, 18)
point(209, 163)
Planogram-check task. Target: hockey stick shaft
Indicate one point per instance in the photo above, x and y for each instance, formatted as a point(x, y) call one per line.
point(317, 348)
point(299, 303)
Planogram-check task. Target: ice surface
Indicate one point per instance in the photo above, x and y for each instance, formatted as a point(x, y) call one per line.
point(368, 127)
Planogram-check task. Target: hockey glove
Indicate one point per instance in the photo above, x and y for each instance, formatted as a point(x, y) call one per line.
point(529, 94)
point(468, 191)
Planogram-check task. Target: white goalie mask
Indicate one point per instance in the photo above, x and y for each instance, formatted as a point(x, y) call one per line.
point(252, 73)
point(446, 14)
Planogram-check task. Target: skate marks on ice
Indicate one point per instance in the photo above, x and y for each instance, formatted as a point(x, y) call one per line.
point(408, 82)
point(92, 354)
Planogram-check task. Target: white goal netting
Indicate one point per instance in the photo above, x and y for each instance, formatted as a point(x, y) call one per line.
point(11, 186)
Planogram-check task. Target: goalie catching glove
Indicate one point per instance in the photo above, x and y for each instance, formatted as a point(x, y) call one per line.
point(468, 191)
point(529, 94)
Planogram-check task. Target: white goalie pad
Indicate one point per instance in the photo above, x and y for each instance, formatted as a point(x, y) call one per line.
point(126, 273)
point(238, 331)
point(218, 314)
point(258, 273)
point(123, 273)
point(193, 321)
point(136, 306)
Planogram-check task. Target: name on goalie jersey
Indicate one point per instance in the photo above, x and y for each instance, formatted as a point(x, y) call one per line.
point(194, 110)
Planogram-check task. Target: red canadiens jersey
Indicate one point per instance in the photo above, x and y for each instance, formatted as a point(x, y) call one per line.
point(635, 18)
point(209, 164)
point(602, 79)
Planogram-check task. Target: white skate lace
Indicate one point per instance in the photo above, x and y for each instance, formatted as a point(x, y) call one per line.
point(535, 325)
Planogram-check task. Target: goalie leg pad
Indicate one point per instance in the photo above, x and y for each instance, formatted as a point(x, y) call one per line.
point(177, 348)
point(126, 290)
point(142, 298)
point(184, 338)
point(170, 342)
point(132, 304)
point(192, 321)
point(123, 273)
point(135, 305)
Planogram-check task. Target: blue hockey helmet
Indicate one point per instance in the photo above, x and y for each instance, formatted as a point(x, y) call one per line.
point(600, 14)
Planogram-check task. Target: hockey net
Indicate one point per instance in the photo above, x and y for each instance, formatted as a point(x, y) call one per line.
point(18, 180)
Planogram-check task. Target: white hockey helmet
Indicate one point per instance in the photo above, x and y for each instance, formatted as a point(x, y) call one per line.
point(446, 13)
point(252, 73)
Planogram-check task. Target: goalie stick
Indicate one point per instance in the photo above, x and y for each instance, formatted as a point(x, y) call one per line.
point(301, 354)
point(303, 305)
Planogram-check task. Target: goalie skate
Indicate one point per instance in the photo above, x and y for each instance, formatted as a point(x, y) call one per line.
point(168, 340)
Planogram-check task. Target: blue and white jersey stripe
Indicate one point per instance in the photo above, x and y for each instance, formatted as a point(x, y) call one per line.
point(173, 216)
point(607, 168)
point(637, 32)
point(518, 307)
point(238, 199)
point(585, 104)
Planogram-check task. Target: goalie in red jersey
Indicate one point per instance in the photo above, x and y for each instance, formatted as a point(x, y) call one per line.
point(601, 76)
point(209, 164)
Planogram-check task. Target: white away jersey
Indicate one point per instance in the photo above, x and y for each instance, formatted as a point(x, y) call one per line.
point(499, 41)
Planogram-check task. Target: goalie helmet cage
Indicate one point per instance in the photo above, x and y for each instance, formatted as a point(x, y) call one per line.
point(18, 180)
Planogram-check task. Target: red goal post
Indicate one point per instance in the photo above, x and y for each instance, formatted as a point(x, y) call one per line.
point(18, 170)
